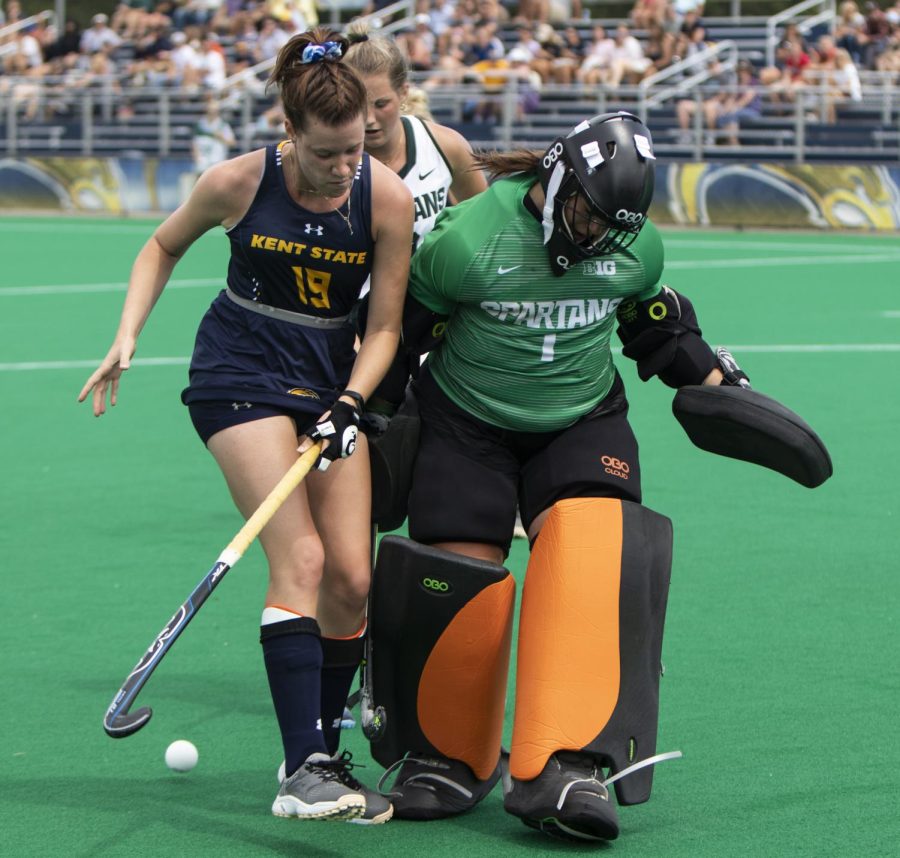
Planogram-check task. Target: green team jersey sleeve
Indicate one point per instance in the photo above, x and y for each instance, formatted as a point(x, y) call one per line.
point(524, 349)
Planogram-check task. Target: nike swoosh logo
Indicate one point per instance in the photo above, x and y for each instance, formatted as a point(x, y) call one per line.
point(423, 176)
point(502, 270)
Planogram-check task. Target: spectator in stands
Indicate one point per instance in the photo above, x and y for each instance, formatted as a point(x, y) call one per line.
point(691, 38)
point(525, 39)
point(27, 46)
point(490, 12)
point(272, 38)
point(212, 139)
point(782, 85)
point(878, 31)
point(418, 45)
point(99, 36)
point(687, 10)
point(550, 48)
point(536, 11)
point(892, 13)
point(492, 77)
point(12, 14)
point(659, 48)
point(185, 62)
point(850, 29)
point(152, 64)
point(241, 57)
point(69, 41)
point(571, 57)
point(889, 60)
point(843, 85)
point(628, 60)
point(790, 36)
point(485, 47)
point(645, 13)
point(211, 63)
point(23, 86)
point(598, 57)
point(131, 19)
point(528, 82)
point(823, 55)
point(742, 104)
point(686, 110)
point(189, 14)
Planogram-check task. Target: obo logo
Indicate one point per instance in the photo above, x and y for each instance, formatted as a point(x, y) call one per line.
point(552, 155)
point(631, 218)
point(616, 467)
point(433, 585)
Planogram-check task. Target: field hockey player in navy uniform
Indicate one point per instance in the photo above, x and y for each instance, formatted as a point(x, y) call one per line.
point(309, 220)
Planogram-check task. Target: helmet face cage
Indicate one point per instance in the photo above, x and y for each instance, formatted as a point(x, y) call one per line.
point(608, 238)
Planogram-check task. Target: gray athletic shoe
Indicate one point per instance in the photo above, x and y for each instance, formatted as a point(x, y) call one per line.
point(378, 808)
point(568, 799)
point(316, 791)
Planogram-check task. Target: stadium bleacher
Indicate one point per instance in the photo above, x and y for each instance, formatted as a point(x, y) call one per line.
point(112, 115)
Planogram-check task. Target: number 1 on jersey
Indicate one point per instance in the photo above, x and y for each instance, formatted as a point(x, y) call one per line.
point(547, 350)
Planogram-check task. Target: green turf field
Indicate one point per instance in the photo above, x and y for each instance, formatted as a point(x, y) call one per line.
point(782, 686)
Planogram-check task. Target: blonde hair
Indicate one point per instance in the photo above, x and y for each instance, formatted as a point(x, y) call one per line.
point(371, 55)
point(416, 104)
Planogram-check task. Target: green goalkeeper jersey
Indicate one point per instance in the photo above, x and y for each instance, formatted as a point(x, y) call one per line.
point(523, 349)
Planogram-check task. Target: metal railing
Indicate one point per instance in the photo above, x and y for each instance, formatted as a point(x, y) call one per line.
point(384, 22)
point(687, 74)
point(795, 13)
point(89, 120)
point(9, 30)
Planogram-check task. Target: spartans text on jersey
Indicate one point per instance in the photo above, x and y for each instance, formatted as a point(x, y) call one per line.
point(565, 315)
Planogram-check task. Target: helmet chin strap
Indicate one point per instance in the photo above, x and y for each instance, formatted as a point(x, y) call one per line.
point(556, 178)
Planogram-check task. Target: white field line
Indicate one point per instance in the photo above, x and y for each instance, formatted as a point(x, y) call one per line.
point(774, 261)
point(678, 264)
point(891, 314)
point(708, 244)
point(83, 288)
point(92, 227)
point(775, 348)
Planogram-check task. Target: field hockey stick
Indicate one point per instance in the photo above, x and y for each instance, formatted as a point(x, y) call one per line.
point(118, 721)
point(371, 718)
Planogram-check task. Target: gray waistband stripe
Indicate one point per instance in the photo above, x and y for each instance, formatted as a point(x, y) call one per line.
point(287, 315)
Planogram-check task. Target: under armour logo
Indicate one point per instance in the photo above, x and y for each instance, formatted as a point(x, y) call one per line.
point(318, 230)
point(237, 406)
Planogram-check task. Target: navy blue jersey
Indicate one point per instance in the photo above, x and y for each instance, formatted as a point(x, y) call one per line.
point(285, 256)
point(279, 334)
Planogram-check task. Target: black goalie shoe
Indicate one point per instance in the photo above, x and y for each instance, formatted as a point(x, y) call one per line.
point(434, 787)
point(568, 799)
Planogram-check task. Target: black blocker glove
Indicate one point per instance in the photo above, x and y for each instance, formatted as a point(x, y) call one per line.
point(340, 428)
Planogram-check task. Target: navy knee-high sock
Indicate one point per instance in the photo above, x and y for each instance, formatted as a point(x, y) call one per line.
point(340, 659)
point(292, 650)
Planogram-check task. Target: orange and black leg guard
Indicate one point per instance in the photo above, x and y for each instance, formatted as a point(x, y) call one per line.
point(441, 626)
point(590, 640)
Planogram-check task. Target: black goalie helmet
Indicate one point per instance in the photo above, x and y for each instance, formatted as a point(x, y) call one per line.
point(598, 184)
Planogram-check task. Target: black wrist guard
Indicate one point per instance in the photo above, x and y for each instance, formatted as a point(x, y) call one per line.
point(732, 374)
point(664, 337)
